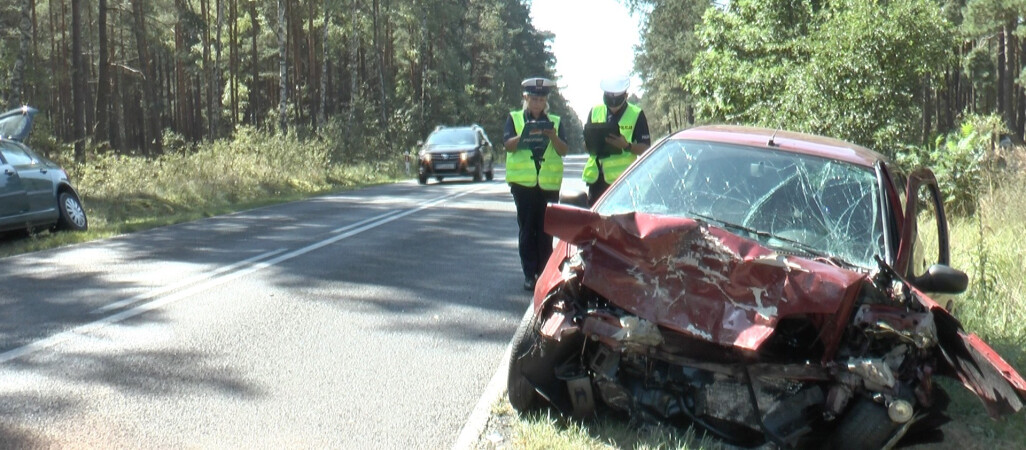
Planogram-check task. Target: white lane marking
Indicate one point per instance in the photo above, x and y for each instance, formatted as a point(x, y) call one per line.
point(196, 279)
point(51, 341)
point(354, 225)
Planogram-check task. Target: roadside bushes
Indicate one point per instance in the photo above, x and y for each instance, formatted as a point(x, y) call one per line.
point(963, 160)
point(254, 166)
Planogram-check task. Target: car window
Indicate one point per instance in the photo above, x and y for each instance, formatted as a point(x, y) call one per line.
point(452, 137)
point(15, 156)
point(781, 198)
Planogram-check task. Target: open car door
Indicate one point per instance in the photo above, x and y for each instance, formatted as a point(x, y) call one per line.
point(969, 358)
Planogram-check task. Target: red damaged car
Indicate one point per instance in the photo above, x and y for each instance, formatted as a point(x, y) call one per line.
point(770, 287)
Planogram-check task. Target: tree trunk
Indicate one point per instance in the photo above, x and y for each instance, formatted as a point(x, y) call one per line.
point(282, 70)
point(381, 65)
point(215, 87)
point(14, 97)
point(322, 110)
point(78, 86)
point(311, 47)
point(121, 134)
point(101, 132)
point(1003, 80)
point(180, 115)
point(233, 60)
point(208, 72)
point(354, 47)
point(927, 110)
point(1021, 124)
point(151, 139)
point(254, 88)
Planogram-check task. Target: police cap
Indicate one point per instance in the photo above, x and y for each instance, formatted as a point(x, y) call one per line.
point(538, 86)
point(616, 84)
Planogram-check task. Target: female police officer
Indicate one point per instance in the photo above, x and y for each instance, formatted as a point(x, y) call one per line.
point(535, 146)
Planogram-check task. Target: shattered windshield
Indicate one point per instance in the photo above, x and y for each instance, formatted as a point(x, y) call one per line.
point(787, 201)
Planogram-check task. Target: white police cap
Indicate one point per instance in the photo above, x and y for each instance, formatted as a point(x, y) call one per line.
point(617, 84)
point(538, 86)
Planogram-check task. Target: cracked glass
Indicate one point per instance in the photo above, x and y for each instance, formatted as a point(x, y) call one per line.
point(790, 202)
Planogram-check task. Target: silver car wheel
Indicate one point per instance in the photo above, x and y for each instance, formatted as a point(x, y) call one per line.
point(75, 212)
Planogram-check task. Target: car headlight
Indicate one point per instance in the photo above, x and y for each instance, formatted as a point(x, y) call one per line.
point(426, 157)
point(464, 156)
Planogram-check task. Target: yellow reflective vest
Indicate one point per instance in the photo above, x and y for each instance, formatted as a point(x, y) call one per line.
point(520, 167)
point(613, 165)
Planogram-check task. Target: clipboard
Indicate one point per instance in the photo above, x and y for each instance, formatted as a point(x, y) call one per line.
point(531, 138)
point(595, 138)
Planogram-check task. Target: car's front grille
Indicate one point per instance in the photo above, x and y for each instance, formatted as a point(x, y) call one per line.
point(445, 157)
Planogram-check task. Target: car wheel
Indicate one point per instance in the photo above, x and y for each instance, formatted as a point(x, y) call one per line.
point(422, 178)
point(865, 426)
point(477, 173)
point(72, 215)
point(439, 179)
point(490, 173)
point(525, 352)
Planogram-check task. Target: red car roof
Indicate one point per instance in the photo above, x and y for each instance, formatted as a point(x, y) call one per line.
point(808, 144)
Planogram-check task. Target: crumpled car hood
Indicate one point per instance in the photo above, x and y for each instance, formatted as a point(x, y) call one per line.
point(701, 280)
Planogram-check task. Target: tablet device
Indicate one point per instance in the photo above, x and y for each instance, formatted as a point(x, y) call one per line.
point(533, 139)
point(595, 138)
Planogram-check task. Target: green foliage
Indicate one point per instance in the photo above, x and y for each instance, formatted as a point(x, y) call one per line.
point(253, 167)
point(851, 69)
point(959, 160)
point(668, 45)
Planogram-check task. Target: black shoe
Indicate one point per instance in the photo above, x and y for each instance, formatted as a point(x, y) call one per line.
point(529, 284)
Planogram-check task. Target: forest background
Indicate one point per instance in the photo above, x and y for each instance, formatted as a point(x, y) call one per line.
point(130, 77)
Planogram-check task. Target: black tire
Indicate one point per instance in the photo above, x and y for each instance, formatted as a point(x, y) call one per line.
point(525, 350)
point(478, 173)
point(72, 214)
point(422, 178)
point(865, 426)
point(490, 173)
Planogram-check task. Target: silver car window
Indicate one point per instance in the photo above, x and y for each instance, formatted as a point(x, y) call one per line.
point(14, 155)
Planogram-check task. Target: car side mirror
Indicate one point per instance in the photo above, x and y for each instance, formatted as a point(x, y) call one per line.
point(575, 198)
point(940, 278)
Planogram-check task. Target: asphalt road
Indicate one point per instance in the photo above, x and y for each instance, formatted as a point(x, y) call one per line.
point(371, 319)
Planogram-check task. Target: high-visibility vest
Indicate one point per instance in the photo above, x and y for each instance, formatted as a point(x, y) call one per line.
point(614, 164)
point(520, 167)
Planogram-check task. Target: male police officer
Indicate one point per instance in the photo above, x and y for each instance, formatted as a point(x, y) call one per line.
point(633, 139)
point(534, 171)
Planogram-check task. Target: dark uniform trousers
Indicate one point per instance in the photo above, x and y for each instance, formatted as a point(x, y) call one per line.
point(535, 244)
point(596, 189)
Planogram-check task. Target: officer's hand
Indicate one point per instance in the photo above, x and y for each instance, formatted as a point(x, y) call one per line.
point(549, 132)
point(512, 142)
point(617, 141)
